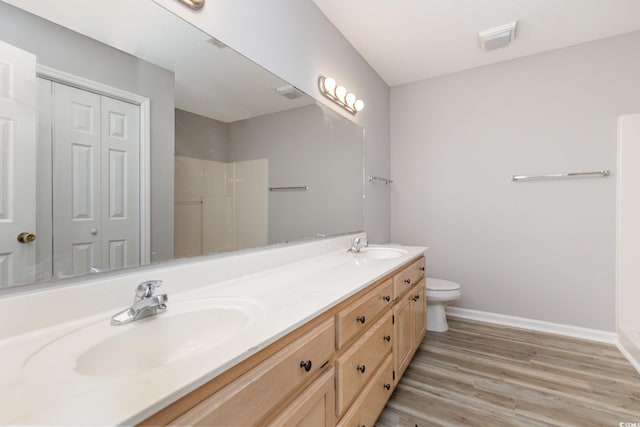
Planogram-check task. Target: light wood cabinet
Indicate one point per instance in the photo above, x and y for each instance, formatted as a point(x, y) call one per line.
point(408, 277)
point(410, 326)
point(360, 314)
point(419, 313)
point(313, 408)
point(357, 365)
point(340, 367)
point(367, 408)
point(251, 397)
point(403, 334)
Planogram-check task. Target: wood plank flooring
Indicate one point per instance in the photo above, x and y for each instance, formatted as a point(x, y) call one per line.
point(480, 374)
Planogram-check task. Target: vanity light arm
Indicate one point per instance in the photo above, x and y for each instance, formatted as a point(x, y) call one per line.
point(193, 4)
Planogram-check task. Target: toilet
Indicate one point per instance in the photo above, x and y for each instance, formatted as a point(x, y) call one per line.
point(440, 293)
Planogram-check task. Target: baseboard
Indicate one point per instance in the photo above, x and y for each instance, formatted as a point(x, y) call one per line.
point(629, 349)
point(535, 325)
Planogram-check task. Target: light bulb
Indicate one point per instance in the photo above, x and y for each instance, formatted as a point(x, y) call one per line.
point(341, 91)
point(358, 105)
point(350, 99)
point(329, 84)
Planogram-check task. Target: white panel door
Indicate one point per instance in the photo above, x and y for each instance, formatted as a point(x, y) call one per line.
point(76, 181)
point(17, 164)
point(120, 189)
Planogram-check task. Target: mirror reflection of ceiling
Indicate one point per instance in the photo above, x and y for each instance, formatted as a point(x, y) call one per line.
point(239, 90)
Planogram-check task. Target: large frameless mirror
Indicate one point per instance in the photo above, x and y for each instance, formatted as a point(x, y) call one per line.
point(129, 137)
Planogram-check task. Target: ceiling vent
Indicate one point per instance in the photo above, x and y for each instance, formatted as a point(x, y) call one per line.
point(497, 37)
point(289, 92)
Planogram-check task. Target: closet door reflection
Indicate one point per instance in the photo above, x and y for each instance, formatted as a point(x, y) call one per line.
point(95, 176)
point(17, 147)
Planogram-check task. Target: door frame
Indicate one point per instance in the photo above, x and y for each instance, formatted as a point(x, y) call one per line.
point(144, 104)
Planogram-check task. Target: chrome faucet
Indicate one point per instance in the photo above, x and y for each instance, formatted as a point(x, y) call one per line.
point(145, 304)
point(358, 243)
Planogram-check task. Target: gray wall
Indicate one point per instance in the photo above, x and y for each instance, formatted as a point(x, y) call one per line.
point(309, 146)
point(65, 50)
point(540, 250)
point(201, 137)
point(294, 40)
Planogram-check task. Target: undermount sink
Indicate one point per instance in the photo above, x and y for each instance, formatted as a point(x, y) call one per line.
point(381, 252)
point(187, 328)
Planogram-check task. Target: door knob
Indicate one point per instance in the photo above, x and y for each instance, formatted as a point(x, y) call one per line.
point(93, 231)
point(25, 237)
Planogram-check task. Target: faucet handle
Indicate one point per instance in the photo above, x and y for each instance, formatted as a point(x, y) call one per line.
point(146, 289)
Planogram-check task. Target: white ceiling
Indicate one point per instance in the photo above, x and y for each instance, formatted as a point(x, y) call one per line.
point(411, 40)
point(211, 81)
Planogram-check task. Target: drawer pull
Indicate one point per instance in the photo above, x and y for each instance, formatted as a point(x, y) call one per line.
point(305, 365)
point(387, 386)
point(361, 319)
point(387, 338)
point(387, 298)
point(416, 297)
point(361, 368)
point(421, 268)
point(407, 281)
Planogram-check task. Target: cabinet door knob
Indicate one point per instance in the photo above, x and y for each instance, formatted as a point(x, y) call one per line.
point(306, 365)
point(361, 319)
point(361, 368)
point(387, 338)
point(421, 268)
point(416, 297)
point(407, 281)
point(387, 386)
point(387, 298)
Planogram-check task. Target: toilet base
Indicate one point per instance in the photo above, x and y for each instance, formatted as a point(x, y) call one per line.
point(436, 318)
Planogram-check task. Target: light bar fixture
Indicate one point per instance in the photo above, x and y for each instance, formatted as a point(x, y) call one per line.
point(340, 95)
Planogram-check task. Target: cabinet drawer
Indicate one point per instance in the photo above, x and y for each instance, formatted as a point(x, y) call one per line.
point(404, 280)
point(250, 397)
point(370, 403)
point(359, 315)
point(357, 365)
point(314, 407)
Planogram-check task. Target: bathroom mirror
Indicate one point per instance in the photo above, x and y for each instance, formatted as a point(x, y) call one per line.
point(128, 137)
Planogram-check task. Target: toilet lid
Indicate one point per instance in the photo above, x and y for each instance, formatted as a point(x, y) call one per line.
point(434, 284)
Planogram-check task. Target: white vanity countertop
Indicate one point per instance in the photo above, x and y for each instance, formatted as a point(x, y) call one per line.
point(43, 387)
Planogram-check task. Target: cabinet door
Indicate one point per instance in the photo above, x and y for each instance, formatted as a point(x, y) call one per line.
point(403, 334)
point(313, 408)
point(419, 314)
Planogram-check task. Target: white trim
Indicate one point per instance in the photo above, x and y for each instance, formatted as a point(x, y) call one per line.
point(145, 142)
point(635, 363)
point(629, 349)
point(535, 325)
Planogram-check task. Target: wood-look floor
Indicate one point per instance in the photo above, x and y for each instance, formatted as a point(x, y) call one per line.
point(480, 374)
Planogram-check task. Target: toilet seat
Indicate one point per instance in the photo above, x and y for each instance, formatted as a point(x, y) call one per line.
point(434, 284)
